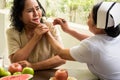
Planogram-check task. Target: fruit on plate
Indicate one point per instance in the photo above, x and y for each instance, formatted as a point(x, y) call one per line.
point(15, 67)
point(28, 70)
point(18, 77)
point(61, 74)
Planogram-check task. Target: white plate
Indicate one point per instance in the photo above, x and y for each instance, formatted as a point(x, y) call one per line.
point(69, 78)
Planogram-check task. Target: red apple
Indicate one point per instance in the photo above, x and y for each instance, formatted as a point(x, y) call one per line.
point(15, 67)
point(61, 74)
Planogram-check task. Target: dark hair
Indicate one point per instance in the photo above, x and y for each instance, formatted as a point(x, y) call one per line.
point(113, 32)
point(94, 12)
point(110, 31)
point(16, 13)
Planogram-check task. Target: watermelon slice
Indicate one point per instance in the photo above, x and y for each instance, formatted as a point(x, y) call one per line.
point(18, 77)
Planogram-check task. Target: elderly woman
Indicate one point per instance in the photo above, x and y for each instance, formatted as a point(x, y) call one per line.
point(27, 41)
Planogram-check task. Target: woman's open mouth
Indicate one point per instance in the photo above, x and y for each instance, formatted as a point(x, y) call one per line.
point(36, 19)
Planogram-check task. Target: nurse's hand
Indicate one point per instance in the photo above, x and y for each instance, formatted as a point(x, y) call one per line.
point(63, 23)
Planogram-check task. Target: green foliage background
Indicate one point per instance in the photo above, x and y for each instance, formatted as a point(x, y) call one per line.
point(72, 10)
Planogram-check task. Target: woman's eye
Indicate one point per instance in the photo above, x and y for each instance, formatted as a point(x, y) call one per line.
point(29, 10)
point(38, 8)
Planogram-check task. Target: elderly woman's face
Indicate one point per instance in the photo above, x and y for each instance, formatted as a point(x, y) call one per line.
point(31, 13)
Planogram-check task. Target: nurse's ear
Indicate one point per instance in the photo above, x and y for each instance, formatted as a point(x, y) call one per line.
point(93, 24)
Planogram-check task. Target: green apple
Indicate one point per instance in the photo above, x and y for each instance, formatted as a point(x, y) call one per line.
point(6, 73)
point(16, 73)
point(2, 70)
point(28, 70)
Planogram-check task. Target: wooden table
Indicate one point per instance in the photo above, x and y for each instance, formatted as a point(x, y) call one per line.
point(44, 74)
point(74, 71)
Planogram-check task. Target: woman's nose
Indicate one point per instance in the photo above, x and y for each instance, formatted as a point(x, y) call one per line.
point(35, 13)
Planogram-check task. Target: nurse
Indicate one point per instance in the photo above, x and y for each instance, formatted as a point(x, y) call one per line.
point(100, 52)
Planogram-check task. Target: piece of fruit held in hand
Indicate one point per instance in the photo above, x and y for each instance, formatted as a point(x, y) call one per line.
point(61, 74)
point(15, 67)
point(28, 70)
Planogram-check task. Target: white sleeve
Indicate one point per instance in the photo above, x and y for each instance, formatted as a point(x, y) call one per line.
point(82, 53)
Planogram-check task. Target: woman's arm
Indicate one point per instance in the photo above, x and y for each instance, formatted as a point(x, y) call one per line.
point(65, 27)
point(17, 53)
point(77, 34)
point(22, 53)
point(45, 64)
point(62, 52)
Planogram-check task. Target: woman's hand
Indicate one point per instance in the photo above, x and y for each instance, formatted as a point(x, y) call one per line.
point(63, 23)
point(40, 30)
point(25, 63)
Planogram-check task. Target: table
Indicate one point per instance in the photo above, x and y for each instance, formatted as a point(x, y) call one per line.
point(78, 74)
point(44, 74)
point(74, 71)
